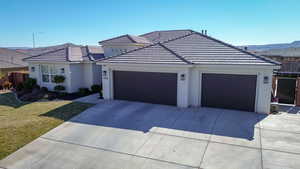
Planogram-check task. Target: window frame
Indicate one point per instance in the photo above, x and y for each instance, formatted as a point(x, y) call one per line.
point(49, 71)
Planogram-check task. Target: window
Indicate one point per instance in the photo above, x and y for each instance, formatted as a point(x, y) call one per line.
point(32, 69)
point(48, 73)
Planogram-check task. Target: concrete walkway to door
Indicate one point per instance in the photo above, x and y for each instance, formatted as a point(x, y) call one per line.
point(130, 135)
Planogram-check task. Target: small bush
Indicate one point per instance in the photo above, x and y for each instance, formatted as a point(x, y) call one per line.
point(59, 88)
point(30, 83)
point(19, 87)
point(84, 91)
point(7, 85)
point(96, 88)
point(59, 79)
point(100, 94)
point(44, 89)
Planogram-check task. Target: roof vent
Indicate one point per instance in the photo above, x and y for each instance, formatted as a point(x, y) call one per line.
point(204, 32)
point(245, 48)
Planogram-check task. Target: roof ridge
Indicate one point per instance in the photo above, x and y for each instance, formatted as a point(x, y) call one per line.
point(130, 38)
point(174, 53)
point(241, 50)
point(179, 37)
point(115, 38)
point(153, 44)
point(166, 31)
point(44, 53)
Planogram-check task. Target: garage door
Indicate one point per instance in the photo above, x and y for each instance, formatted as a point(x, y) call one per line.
point(158, 88)
point(229, 91)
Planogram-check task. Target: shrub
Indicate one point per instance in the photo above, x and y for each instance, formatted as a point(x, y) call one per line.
point(29, 84)
point(84, 91)
point(19, 87)
point(59, 88)
point(7, 85)
point(96, 88)
point(100, 94)
point(59, 79)
point(44, 89)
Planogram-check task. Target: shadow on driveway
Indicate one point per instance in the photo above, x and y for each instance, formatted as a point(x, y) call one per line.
point(157, 118)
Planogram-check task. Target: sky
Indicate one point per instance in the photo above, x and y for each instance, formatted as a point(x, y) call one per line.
point(86, 22)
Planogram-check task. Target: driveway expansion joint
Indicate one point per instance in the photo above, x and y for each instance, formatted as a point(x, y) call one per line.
point(103, 149)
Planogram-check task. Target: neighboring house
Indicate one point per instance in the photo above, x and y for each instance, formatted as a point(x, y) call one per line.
point(74, 62)
point(288, 57)
point(286, 79)
point(11, 61)
point(186, 68)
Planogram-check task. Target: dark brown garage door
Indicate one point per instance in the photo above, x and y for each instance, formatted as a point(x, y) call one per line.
point(229, 91)
point(158, 88)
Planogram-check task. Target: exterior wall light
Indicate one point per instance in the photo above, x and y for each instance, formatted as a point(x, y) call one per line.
point(62, 70)
point(182, 77)
point(104, 74)
point(266, 79)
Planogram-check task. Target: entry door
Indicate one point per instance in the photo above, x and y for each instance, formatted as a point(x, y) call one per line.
point(151, 87)
point(229, 91)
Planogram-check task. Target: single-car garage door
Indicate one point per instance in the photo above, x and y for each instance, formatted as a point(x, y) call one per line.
point(229, 91)
point(151, 87)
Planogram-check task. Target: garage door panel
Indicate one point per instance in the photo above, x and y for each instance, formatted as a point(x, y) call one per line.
point(229, 91)
point(151, 87)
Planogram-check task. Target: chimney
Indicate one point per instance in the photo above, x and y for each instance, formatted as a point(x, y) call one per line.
point(205, 32)
point(202, 31)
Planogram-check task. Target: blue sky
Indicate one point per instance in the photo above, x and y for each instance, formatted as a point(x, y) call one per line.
point(237, 22)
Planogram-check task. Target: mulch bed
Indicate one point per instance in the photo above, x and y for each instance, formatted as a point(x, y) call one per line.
point(39, 94)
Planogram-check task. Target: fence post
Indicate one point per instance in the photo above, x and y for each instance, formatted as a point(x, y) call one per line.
point(297, 91)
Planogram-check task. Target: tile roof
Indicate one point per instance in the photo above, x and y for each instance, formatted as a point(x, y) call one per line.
point(70, 53)
point(191, 48)
point(126, 39)
point(161, 36)
point(10, 58)
point(155, 53)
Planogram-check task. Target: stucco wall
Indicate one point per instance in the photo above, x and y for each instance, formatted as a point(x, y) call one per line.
point(38, 75)
point(189, 90)
point(78, 75)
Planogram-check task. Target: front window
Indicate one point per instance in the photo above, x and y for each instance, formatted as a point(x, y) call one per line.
point(48, 73)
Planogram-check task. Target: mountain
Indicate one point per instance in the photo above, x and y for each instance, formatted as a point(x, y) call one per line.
point(279, 49)
point(295, 44)
point(284, 52)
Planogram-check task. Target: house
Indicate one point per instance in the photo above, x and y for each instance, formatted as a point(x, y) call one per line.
point(288, 57)
point(186, 68)
point(74, 62)
point(11, 61)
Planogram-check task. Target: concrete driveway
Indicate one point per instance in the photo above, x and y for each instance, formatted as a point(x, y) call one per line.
point(129, 135)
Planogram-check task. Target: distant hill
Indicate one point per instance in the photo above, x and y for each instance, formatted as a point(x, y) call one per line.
point(280, 49)
point(295, 44)
point(285, 52)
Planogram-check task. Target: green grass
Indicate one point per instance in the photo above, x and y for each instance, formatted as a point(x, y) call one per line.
point(22, 122)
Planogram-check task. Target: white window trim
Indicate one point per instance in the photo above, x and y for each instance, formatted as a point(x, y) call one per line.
point(49, 74)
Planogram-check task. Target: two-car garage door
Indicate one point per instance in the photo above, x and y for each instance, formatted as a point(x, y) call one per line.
point(150, 87)
point(229, 91)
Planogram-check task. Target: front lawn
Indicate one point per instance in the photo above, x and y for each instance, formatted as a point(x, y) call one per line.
point(20, 123)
